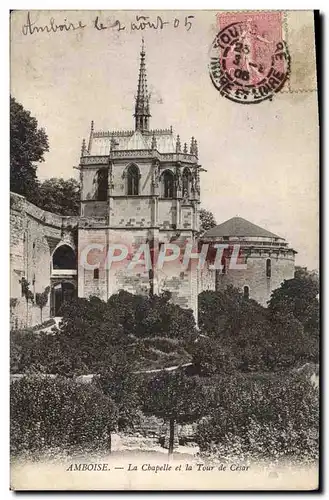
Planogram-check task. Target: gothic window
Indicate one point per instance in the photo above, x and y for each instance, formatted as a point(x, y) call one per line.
point(246, 292)
point(186, 182)
point(168, 184)
point(102, 182)
point(64, 258)
point(268, 268)
point(96, 274)
point(132, 180)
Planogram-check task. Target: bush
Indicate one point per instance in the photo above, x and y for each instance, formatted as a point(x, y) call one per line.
point(48, 413)
point(261, 417)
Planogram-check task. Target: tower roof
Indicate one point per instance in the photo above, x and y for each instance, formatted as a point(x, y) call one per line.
point(239, 228)
point(142, 105)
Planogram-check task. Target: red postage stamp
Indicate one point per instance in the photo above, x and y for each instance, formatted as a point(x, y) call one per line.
point(249, 59)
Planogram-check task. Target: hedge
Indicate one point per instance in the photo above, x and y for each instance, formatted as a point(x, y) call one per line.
point(50, 413)
point(261, 417)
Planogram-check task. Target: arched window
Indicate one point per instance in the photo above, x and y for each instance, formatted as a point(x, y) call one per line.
point(186, 182)
point(168, 184)
point(246, 292)
point(64, 258)
point(132, 180)
point(102, 182)
point(268, 268)
point(96, 274)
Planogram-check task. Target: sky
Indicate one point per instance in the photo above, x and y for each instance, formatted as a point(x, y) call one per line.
point(261, 160)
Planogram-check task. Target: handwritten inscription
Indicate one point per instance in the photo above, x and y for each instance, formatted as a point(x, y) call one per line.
point(139, 23)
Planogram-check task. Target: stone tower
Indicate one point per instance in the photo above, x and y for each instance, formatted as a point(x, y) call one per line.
point(138, 187)
point(264, 259)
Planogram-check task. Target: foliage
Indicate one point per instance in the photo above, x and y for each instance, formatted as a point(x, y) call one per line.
point(176, 398)
point(94, 335)
point(239, 334)
point(28, 143)
point(41, 299)
point(298, 296)
point(57, 412)
point(261, 417)
point(224, 312)
point(26, 292)
point(122, 385)
point(59, 196)
point(147, 317)
point(42, 352)
point(207, 220)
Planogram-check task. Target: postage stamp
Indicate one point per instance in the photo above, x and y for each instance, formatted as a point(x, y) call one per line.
point(249, 58)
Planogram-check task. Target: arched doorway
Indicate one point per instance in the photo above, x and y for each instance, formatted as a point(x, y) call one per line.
point(61, 292)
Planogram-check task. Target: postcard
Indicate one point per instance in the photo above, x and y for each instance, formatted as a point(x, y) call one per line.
point(164, 250)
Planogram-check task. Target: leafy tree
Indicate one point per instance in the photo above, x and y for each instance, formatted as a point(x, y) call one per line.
point(28, 294)
point(59, 196)
point(41, 300)
point(242, 335)
point(207, 220)
point(156, 316)
point(28, 143)
point(122, 385)
point(298, 296)
point(176, 398)
point(210, 356)
point(224, 312)
point(92, 332)
point(253, 417)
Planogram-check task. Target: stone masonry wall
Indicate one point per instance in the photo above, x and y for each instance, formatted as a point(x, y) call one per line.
point(34, 234)
point(260, 287)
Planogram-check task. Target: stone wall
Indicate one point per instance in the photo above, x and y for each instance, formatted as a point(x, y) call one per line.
point(34, 234)
point(183, 284)
point(260, 286)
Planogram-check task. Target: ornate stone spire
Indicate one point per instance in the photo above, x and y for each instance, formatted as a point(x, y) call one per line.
point(178, 146)
point(91, 135)
point(185, 148)
point(142, 106)
point(192, 146)
point(196, 152)
point(154, 141)
point(83, 147)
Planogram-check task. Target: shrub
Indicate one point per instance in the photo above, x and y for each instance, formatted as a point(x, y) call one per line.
point(261, 417)
point(47, 413)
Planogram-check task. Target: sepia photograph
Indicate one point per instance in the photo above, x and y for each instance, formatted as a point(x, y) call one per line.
point(164, 250)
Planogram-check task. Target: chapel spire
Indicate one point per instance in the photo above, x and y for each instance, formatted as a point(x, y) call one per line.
point(142, 106)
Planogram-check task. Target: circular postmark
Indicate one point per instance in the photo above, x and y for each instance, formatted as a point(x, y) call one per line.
point(247, 66)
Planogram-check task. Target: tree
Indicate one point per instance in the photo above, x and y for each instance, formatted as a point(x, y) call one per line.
point(207, 220)
point(252, 417)
point(27, 293)
point(155, 316)
point(59, 196)
point(298, 296)
point(121, 385)
point(28, 143)
point(41, 300)
point(224, 312)
point(176, 398)
point(244, 336)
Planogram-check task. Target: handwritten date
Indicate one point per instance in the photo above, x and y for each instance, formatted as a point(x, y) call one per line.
point(140, 23)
